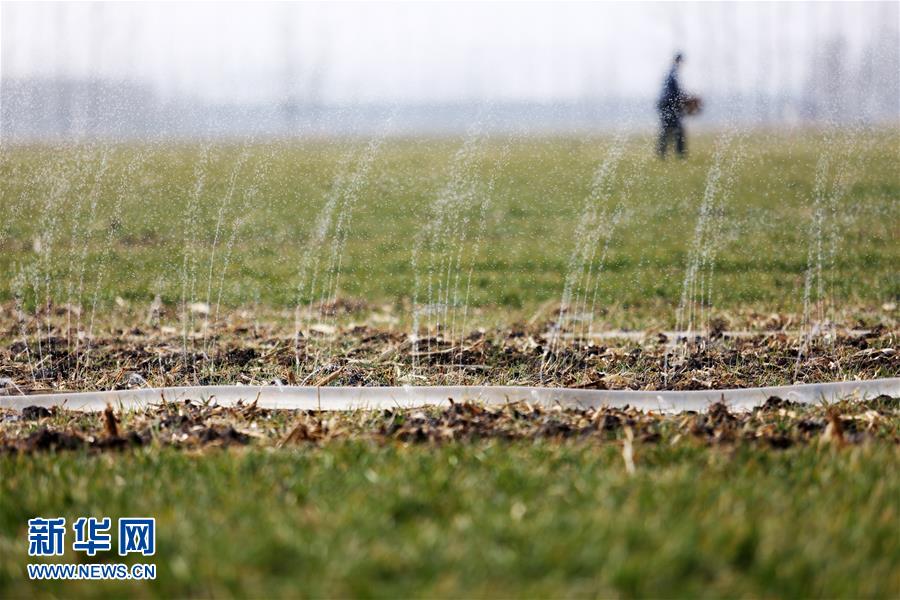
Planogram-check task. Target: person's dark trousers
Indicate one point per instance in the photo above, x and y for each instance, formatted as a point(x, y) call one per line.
point(671, 128)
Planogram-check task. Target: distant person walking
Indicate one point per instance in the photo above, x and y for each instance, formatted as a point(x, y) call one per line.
point(671, 108)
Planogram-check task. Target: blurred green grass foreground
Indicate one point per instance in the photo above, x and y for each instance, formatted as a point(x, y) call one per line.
point(477, 519)
point(468, 500)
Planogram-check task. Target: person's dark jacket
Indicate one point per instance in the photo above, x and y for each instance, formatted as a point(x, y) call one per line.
point(669, 104)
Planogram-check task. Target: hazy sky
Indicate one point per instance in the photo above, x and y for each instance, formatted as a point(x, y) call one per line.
point(396, 51)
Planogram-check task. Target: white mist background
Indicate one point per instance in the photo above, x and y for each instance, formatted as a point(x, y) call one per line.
point(65, 67)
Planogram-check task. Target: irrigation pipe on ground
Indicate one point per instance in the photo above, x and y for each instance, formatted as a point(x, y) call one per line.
point(353, 398)
point(623, 334)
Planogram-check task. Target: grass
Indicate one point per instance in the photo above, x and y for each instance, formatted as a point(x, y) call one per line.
point(782, 507)
point(471, 501)
point(123, 221)
point(479, 519)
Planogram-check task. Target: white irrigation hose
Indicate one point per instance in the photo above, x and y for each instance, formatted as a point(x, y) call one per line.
point(351, 398)
point(623, 334)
